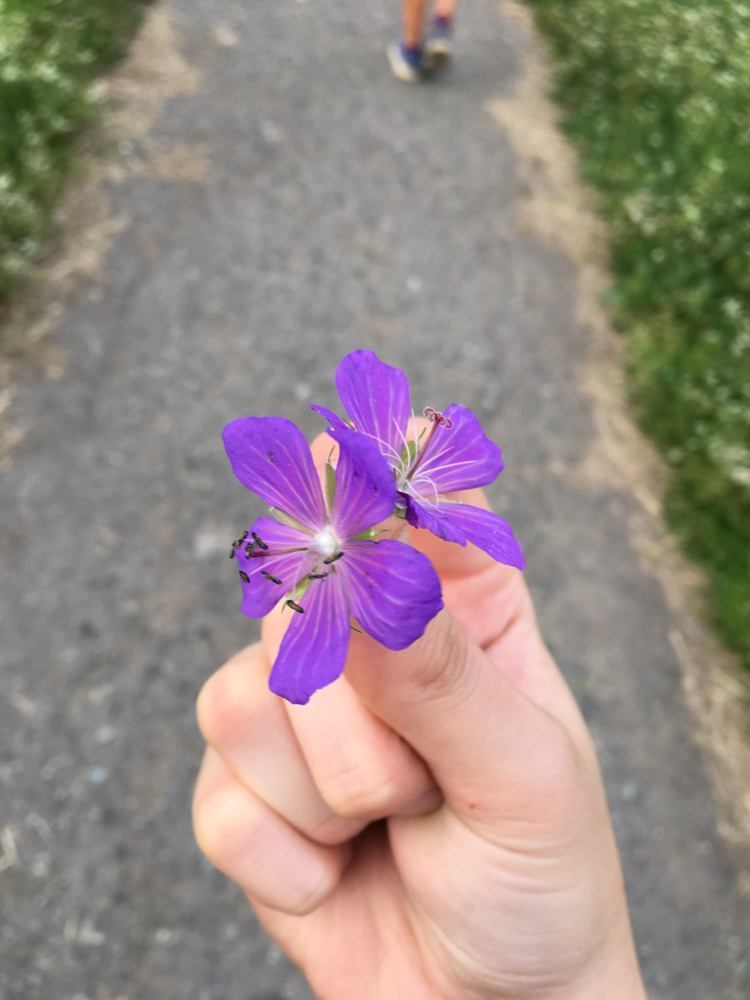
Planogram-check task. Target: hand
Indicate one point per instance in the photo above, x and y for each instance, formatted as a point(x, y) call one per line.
point(432, 826)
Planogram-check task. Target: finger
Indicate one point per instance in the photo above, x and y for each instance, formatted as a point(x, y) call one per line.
point(361, 768)
point(324, 448)
point(486, 743)
point(244, 838)
point(247, 726)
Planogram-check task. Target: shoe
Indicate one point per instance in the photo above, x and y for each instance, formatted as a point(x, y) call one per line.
point(439, 46)
point(407, 65)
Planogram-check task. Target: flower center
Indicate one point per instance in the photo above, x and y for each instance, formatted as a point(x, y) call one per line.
point(326, 542)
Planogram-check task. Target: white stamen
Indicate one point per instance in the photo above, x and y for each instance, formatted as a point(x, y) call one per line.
point(326, 542)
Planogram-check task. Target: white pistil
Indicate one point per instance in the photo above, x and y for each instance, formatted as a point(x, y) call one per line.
point(326, 542)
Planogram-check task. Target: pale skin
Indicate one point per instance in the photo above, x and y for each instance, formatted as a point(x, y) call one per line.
point(413, 12)
point(432, 826)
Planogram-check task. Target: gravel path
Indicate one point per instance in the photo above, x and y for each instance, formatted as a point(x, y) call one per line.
point(294, 203)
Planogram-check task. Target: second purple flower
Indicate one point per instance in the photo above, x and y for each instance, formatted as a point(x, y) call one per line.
point(454, 454)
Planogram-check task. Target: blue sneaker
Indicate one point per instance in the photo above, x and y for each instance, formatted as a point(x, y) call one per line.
point(439, 46)
point(407, 65)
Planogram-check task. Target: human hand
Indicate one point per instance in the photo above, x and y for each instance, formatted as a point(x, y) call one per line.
point(433, 825)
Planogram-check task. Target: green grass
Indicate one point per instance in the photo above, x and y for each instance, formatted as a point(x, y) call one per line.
point(657, 100)
point(50, 53)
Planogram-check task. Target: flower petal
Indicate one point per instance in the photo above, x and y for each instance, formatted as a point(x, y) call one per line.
point(365, 489)
point(313, 650)
point(393, 590)
point(462, 523)
point(333, 418)
point(458, 457)
point(376, 397)
point(431, 519)
point(259, 594)
point(485, 530)
point(271, 457)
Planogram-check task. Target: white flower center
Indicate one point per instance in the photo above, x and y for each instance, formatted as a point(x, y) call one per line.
point(326, 542)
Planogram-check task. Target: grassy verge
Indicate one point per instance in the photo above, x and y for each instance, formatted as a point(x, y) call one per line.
point(657, 100)
point(50, 53)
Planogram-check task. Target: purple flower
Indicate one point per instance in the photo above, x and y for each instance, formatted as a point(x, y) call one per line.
point(454, 454)
point(323, 559)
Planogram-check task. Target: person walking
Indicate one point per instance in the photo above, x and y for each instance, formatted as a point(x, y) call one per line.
point(416, 57)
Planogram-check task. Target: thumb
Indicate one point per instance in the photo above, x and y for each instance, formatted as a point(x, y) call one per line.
point(491, 749)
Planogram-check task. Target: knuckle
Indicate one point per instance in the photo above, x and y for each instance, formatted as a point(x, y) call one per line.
point(333, 829)
point(362, 791)
point(218, 825)
point(308, 897)
point(222, 706)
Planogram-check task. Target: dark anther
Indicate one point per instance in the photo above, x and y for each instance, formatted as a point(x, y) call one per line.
point(236, 545)
point(244, 577)
point(269, 576)
point(318, 576)
point(333, 559)
point(295, 607)
point(259, 542)
point(249, 549)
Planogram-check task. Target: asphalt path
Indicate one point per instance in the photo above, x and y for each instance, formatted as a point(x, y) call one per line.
point(320, 207)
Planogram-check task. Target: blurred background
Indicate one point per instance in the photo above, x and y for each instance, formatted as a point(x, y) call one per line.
point(202, 233)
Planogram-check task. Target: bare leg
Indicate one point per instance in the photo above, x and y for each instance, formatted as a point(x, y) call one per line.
point(413, 13)
point(445, 8)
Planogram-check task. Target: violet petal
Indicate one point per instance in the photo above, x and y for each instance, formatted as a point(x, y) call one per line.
point(458, 457)
point(485, 530)
point(260, 594)
point(376, 398)
point(430, 517)
point(313, 650)
point(333, 418)
point(393, 590)
point(365, 489)
point(271, 457)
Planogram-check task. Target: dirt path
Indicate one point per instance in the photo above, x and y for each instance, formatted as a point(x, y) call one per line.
point(278, 200)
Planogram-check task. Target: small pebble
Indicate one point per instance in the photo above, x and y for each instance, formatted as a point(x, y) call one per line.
point(630, 791)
